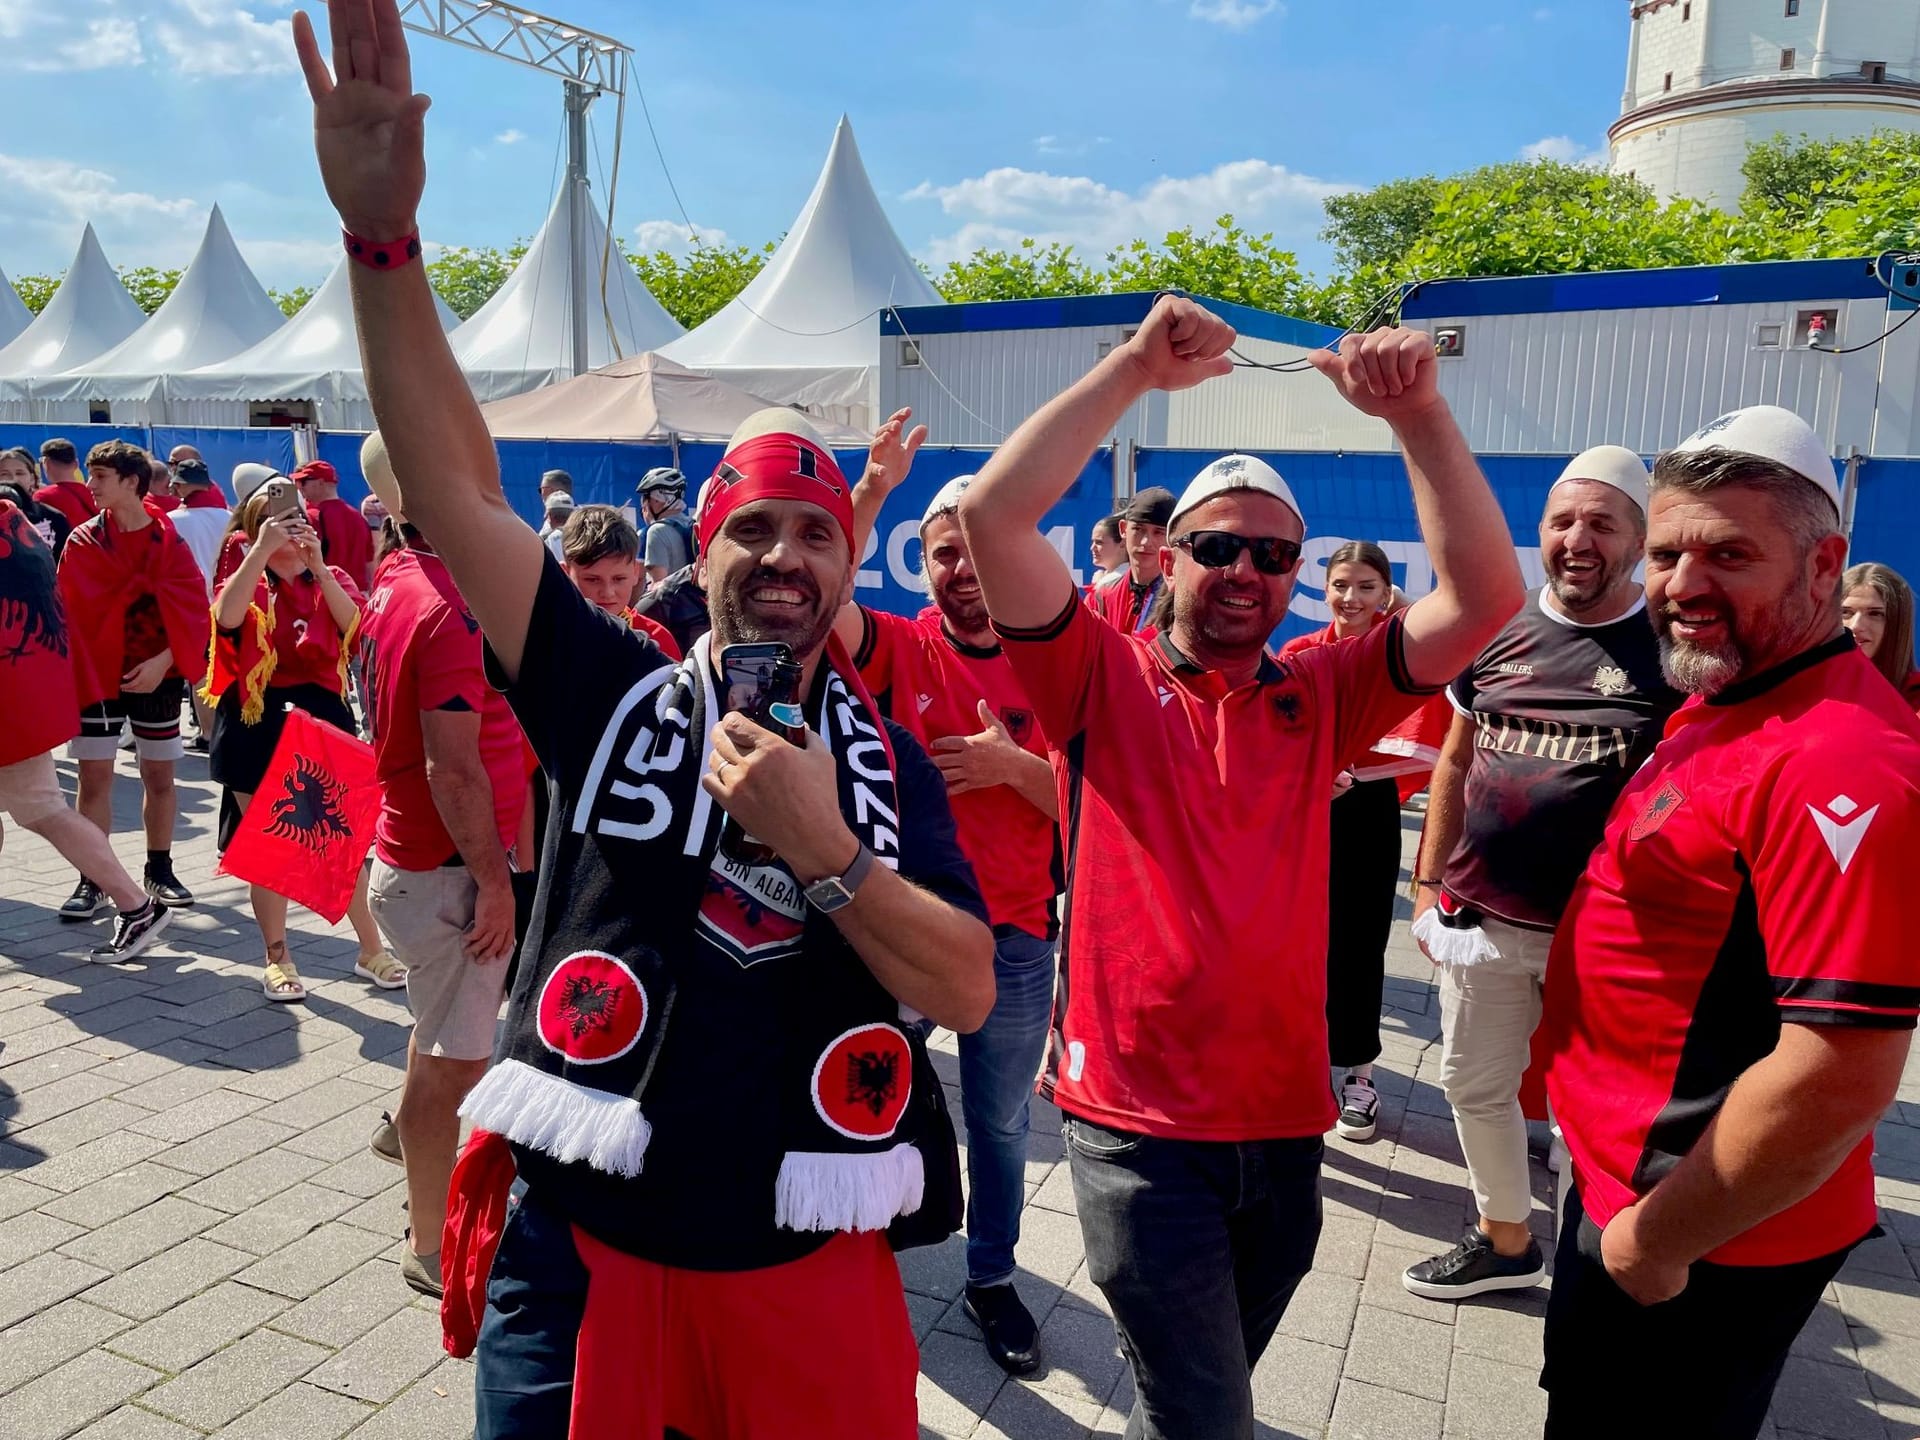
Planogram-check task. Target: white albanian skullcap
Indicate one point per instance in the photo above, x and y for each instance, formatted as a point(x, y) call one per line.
point(1235, 472)
point(947, 500)
point(1613, 465)
point(1772, 434)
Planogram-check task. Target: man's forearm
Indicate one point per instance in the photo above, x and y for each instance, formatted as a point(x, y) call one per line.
point(1033, 782)
point(1446, 795)
point(1786, 1126)
point(869, 500)
point(464, 797)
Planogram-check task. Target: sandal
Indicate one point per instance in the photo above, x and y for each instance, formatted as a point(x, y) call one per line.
point(282, 983)
point(383, 968)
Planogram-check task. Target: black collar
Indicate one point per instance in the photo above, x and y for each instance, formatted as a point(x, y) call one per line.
point(972, 652)
point(1757, 685)
point(1178, 661)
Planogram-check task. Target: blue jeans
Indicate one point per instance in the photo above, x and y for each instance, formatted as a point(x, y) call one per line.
point(1198, 1245)
point(999, 1064)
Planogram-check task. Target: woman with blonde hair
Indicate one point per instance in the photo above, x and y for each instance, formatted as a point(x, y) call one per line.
point(285, 628)
point(1877, 606)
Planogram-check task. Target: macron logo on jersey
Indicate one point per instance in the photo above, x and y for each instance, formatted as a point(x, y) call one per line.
point(1166, 697)
point(1842, 834)
point(923, 701)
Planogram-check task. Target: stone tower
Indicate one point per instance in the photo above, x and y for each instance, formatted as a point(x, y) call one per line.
point(1708, 78)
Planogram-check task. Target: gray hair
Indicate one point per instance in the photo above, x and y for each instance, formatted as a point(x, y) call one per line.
point(1800, 505)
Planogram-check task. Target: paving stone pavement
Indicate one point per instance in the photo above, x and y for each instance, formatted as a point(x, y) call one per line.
point(194, 1242)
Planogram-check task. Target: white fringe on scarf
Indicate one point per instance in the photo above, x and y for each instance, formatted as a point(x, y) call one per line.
point(1453, 947)
point(567, 1121)
point(822, 1191)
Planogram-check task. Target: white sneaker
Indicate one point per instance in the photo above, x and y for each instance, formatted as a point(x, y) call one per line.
point(1359, 1109)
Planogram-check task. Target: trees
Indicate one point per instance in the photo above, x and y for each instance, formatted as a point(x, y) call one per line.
point(466, 277)
point(149, 286)
point(694, 287)
point(291, 301)
point(1828, 199)
point(1028, 271)
point(35, 290)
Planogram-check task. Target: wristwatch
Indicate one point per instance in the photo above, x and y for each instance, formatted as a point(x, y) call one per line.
point(836, 891)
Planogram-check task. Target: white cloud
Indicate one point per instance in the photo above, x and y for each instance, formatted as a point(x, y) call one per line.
point(1005, 205)
point(672, 236)
point(205, 38)
point(509, 137)
point(64, 192)
point(103, 44)
point(1565, 149)
point(1067, 145)
point(1234, 14)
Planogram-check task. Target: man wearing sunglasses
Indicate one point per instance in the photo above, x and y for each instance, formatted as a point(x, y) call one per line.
point(1189, 1045)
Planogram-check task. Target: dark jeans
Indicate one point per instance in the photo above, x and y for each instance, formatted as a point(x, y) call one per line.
point(1702, 1364)
point(1198, 1246)
point(523, 1360)
point(1365, 871)
point(999, 1063)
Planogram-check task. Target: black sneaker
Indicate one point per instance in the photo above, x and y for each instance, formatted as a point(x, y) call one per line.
point(1359, 1108)
point(1012, 1339)
point(1473, 1267)
point(133, 932)
point(86, 902)
point(163, 885)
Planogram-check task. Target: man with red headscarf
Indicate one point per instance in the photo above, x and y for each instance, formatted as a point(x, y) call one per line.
point(345, 540)
point(709, 1077)
point(137, 604)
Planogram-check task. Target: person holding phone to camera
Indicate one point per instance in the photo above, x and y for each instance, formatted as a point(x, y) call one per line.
point(1190, 1053)
point(285, 628)
point(705, 1076)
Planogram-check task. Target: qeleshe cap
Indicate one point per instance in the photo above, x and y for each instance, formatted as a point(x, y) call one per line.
point(1237, 472)
point(1772, 434)
point(1613, 465)
point(947, 500)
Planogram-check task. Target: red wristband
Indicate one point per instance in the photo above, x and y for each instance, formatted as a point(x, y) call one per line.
point(383, 254)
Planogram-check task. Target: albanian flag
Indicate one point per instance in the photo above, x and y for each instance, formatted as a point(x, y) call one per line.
point(309, 826)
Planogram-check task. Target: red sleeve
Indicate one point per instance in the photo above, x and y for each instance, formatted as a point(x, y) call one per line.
point(878, 645)
point(1372, 691)
point(1061, 664)
point(1831, 842)
point(657, 633)
point(448, 673)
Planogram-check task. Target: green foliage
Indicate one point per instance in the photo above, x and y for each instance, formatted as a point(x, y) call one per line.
point(292, 301)
point(1822, 199)
point(148, 286)
point(35, 290)
point(1029, 271)
point(466, 277)
point(693, 287)
point(1225, 263)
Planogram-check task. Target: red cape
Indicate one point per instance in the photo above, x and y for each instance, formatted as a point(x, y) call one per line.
point(1912, 690)
point(103, 571)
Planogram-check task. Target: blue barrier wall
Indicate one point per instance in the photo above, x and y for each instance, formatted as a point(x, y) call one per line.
point(84, 437)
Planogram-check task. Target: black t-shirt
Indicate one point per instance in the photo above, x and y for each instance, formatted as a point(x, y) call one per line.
point(704, 1203)
point(680, 605)
point(1563, 714)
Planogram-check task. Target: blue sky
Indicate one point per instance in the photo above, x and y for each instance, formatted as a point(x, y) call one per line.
point(1084, 120)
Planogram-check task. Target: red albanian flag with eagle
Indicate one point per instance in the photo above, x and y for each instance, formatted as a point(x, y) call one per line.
point(309, 826)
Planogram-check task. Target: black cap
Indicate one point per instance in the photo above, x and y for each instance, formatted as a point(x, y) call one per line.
point(1152, 506)
point(193, 472)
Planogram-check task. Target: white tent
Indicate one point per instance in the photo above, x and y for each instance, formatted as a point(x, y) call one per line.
point(805, 331)
point(14, 315)
point(217, 310)
point(314, 357)
point(523, 337)
point(88, 315)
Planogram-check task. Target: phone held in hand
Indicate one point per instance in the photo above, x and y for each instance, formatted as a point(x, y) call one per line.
point(283, 499)
point(763, 683)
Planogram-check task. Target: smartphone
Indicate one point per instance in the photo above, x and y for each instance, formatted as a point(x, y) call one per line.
point(283, 499)
point(748, 672)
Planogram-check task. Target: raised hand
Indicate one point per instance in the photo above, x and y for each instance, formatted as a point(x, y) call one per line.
point(890, 457)
point(1390, 374)
point(368, 128)
point(1180, 343)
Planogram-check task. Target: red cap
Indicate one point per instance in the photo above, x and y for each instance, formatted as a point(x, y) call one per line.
point(774, 467)
point(316, 470)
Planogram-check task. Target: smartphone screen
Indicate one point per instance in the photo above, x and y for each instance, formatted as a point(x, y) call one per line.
point(747, 672)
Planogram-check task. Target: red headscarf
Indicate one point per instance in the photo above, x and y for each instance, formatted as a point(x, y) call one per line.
point(103, 571)
point(774, 467)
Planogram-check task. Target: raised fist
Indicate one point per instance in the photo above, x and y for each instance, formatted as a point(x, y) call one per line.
point(1391, 374)
point(1180, 344)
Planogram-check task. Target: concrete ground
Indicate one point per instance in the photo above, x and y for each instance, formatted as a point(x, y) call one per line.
point(195, 1241)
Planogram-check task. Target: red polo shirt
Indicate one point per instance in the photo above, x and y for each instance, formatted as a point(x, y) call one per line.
point(927, 681)
point(346, 542)
point(1756, 872)
point(1194, 956)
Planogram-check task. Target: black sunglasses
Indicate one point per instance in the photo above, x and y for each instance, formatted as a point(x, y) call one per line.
point(1217, 549)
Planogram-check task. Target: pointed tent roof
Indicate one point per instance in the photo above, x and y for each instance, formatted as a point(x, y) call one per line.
point(644, 397)
point(14, 315)
point(218, 309)
point(88, 315)
point(314, 356)
point(839, 264)
point(523, 336)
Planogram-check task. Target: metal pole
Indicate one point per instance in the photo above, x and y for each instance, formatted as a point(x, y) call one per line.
point(580, 265)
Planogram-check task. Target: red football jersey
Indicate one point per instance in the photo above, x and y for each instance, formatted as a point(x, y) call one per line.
point(1754, 873)
point(929, 682)
point(346, 541)
point(423, 652)
point(1194, 956)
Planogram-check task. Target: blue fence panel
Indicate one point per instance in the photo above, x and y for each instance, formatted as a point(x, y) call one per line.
point(84, 437)
point(224, 449)
point(1886, 516)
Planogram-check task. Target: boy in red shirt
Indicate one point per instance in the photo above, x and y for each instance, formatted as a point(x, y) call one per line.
point(601, 550)
point(1190, 1050)
point(137, 604)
